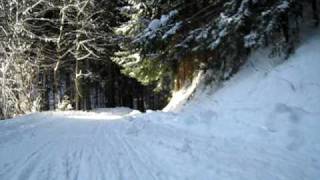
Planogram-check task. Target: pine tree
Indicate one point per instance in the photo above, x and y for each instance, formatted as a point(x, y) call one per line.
point(218, 34)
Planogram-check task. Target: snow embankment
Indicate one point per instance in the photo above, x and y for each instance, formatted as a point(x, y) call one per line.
point(266, 92)
point(265, 121)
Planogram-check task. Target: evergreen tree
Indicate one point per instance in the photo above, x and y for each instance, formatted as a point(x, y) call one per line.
point(168, 39)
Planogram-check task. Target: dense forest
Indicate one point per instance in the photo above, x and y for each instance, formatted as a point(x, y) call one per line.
point(86, 54)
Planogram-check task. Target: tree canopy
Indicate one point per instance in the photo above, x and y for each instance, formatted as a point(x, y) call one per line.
point(85, 54)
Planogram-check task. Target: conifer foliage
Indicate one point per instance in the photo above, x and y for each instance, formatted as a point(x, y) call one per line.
point(214, 34)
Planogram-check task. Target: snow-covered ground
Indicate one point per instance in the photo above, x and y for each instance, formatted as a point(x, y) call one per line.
point(263, 124)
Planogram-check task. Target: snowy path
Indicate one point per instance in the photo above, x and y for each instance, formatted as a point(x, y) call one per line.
point(100, 146)
point(80, 147)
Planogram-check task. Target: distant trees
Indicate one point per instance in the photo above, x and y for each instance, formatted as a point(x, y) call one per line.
point(315, 9)
point(77, 35)
point(53, 51)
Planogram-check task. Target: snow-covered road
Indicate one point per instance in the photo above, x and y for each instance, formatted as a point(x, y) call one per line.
point(113, 146)
point(90, 146)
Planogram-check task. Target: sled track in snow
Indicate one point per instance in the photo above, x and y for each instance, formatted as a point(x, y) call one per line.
point(52, 146)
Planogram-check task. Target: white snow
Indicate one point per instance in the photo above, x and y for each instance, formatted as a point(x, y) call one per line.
point(262, 124)
point(172, 31)
point(157, 25)
point(154, 25)
point(180, 98)
point(284, 5)
point(250, 39)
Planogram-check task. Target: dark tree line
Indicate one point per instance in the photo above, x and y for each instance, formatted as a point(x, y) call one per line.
point(57, 55)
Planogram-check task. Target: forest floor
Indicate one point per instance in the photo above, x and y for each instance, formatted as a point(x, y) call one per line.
point(262, 124)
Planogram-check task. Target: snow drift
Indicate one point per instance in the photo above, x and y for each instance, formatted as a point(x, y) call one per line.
point(265, 121)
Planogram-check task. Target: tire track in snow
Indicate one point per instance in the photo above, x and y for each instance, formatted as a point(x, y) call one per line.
point(25, 166)
point(133, 153)
point(98, 155)
point(48, 137)
point(118, 159)
point(22, 131)
point(106, 150)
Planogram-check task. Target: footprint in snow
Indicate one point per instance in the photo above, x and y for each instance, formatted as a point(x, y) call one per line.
point(283, 113)
point(297, 140)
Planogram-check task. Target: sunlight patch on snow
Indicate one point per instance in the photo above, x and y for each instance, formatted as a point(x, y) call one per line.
point(179, 98)
point(99, 114)
point(92, 116)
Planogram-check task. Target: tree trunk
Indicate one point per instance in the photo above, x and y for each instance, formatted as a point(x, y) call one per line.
point(55, 89)
point(315, 12)
point(97, 92)
point(46, 90)
point(110, 90)
point(77, 87)
point(4, 98)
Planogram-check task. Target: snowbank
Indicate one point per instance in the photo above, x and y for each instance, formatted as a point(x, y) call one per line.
point(265, 88)
point(265, 121)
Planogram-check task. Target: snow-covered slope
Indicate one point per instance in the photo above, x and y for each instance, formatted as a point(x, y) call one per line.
point(264, 124)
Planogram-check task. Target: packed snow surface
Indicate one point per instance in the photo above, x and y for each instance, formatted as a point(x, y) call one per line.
point(263, 124)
